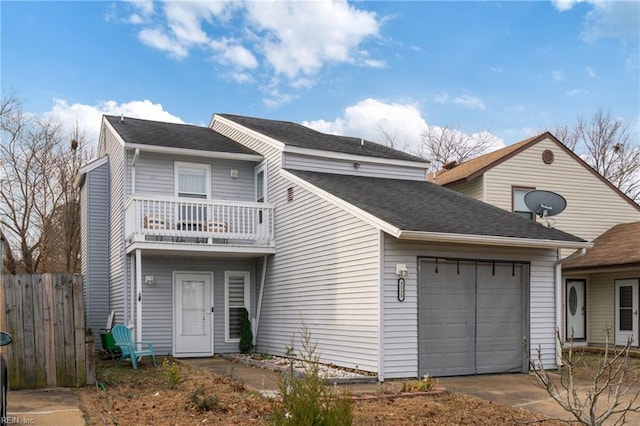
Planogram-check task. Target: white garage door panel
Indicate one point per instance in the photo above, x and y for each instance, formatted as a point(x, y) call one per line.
point(471, 317)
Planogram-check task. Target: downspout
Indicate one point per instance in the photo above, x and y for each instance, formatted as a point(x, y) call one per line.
point(136, 154)
point(138, 297)
point(256, 321)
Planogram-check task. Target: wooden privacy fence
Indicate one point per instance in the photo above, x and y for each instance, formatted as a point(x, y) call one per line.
point(44, 313)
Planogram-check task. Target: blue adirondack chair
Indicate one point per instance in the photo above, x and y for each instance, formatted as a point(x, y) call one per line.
point(122, 335)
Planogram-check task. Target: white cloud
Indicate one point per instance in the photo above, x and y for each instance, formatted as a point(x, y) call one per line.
point(557, 75)
point(376, 120)
point(88, 117)
point(469, 102)
point(607, 19)
point(590, 72)
point(291, 40)
point(576, 92)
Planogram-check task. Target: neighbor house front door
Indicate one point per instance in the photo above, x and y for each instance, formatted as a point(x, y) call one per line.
point(193, 316)
point(626, 312)
point(576, 309)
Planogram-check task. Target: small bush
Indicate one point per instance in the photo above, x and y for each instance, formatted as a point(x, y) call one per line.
point(425, 385)
point(204, 402)
point(306, 400)
point(246, 336)
point(172, 371)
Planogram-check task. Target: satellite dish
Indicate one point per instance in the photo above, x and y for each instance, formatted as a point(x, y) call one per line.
point(545, 203)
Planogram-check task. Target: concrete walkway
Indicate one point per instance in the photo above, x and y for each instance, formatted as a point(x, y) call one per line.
point(49, 406)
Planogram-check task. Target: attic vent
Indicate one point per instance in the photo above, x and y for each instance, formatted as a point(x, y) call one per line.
point(290, 193)
point(450, 165)
point(547, 156)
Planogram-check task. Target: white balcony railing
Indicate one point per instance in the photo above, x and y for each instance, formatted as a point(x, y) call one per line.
point(203, 221)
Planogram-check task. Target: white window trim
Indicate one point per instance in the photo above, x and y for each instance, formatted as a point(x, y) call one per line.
point(179, 164)
point(247, 300)
point(262, 167)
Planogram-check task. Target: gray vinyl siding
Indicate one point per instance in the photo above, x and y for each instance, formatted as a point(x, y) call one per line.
point(400, 327)
point(95, 247)
point(346, 167)
point(117, 197)
point(325, 273)
point(157, 300)
point(154, 175)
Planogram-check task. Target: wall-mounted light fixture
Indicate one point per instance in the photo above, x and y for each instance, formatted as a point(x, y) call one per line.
point(356, 165)
point(149, 279)
point(234, 173)
point(402, 272)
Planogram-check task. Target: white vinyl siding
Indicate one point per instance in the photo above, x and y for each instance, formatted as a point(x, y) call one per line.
point(473, 189)
point(158, 298)
point(95, 246)
point(400, 328)
point(325, 273)
point(568, 178)
point(117, 197)
point(236, 297)
point(342, 167)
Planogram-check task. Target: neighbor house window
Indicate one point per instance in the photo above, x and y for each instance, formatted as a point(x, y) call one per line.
point(192, 180)
point(519, 207)
point(236, 300)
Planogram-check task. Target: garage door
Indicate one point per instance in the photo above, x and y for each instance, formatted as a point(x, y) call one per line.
point(472, 317)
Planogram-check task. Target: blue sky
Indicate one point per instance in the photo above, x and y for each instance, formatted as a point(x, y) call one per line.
point(353, 68)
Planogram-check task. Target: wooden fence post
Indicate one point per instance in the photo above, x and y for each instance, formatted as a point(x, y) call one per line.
point(90, 359)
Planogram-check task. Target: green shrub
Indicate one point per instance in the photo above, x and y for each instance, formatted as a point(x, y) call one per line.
point(204, 402)
point(246, 336)
point(306, 400)
point(172, 370)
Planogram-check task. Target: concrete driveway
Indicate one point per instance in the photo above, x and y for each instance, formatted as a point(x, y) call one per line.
point(49, 406)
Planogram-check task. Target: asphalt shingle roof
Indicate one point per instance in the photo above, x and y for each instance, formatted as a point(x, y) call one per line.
point(427, 207)
point(620, 245)
point(301, 136)
point(186, 136)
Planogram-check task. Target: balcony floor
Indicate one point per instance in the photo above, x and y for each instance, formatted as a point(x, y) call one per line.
point(194, 246)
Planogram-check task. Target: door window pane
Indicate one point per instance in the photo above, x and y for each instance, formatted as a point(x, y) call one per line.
point(193, 314)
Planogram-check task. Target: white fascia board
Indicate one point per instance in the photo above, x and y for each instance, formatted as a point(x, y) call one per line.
point(355, 158)
point(115, 133)
point(490, 240)
point(266, 139)
point(194, 152)
point(356, 211)
point(79, 179)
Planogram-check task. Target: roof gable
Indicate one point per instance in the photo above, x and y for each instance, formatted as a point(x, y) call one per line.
point(471, 169)
point(172, 135)
point(620, 245)
point(297, 135)
point(422, 206)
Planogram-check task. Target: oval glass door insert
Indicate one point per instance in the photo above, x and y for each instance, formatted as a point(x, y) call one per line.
point(573, 300)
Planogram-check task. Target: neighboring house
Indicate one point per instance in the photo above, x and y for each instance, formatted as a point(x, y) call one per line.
point(611, 269)
point(594, 205)
point(392, 274)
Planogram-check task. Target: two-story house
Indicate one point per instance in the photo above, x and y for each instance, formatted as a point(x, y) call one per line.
point(594, 205)
point(184, 226)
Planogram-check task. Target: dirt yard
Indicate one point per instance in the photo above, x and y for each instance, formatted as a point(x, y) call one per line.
point(184, 395)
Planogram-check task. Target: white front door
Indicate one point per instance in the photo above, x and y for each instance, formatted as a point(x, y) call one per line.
point(193, 317)
point(576, 309)
point(626, 312)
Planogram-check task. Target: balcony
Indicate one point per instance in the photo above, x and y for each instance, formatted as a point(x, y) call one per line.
point(168, 223)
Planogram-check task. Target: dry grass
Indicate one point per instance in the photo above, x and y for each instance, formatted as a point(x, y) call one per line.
point(151, 396)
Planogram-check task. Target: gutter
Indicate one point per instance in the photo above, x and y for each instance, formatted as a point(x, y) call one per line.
point(491, 240)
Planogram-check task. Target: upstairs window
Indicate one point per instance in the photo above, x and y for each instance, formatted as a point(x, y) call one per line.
point(192, 180)
point(519, 207)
